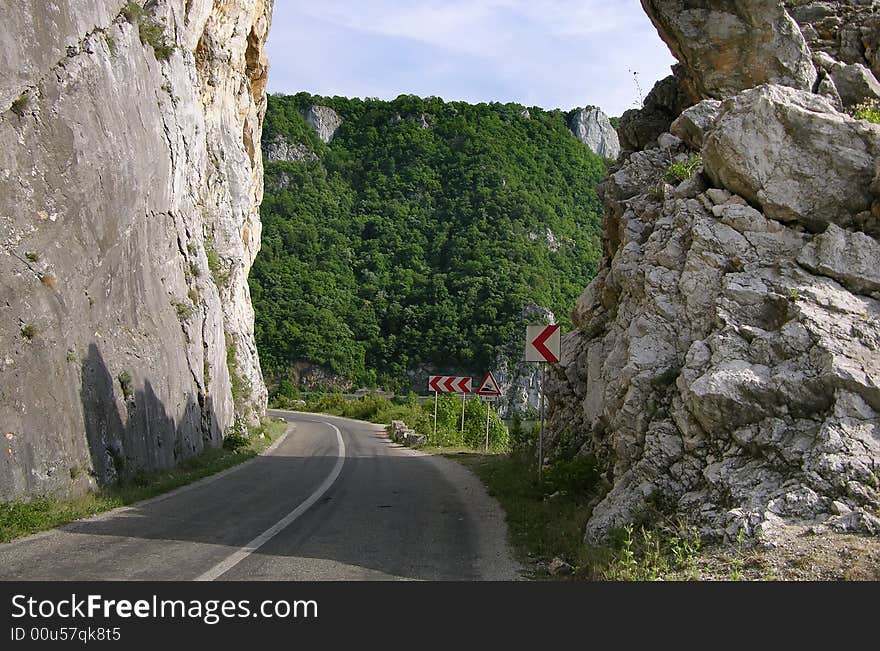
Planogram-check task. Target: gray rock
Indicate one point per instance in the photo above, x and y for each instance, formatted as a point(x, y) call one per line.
point(668, 142)
point(730, 46)
point(640, 128)
point(593, 128)
point(855, 84)
point(324, 120)
point(793, 154)
point(849, 257)
point(559, 567)
point(692, 124)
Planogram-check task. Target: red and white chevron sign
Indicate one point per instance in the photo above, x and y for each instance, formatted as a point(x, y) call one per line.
point(543, 343)
point(449, 384)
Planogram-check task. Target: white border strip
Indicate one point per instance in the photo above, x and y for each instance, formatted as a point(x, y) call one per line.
point(237, 557)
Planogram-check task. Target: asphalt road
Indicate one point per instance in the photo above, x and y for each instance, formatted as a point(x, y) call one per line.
point(334, 500)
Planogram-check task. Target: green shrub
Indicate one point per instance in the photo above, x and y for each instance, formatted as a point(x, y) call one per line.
point(220, 276)
point(20, 105)
point(150, 30)
point(132, 11)
point(679, 172)
point(28, 331)
point(184, 310)
point(577, 475)
point(868, 110)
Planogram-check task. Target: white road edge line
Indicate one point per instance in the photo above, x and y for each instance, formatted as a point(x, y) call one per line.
point(234, 559)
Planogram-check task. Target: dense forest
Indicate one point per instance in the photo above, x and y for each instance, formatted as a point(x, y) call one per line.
point(412, 242)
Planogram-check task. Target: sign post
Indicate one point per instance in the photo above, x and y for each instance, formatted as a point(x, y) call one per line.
point(463, 398)
point(543, 344)
point(436, 394)
point(489, 390)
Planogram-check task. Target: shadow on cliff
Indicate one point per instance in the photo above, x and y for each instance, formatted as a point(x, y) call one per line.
point(148, 437)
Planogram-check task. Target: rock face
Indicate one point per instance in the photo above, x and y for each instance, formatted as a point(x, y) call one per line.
point(725, 365)
point(324, 120)
point(593, 128)
point(130, 181)
point(848, 31)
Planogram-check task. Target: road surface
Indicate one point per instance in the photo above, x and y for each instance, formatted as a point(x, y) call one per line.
point(333, 500)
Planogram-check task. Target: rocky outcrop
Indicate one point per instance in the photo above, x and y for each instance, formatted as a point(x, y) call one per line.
point(324, 120)
point(725, 362)
point(640, 128)
point(130, 181)
point(280, 150)
point(521, 383)
point(730, 45)
point(847, 30)
point(593, 128)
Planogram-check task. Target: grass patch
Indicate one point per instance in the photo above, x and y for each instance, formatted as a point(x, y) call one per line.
point(24, 518)
point(679, 172)
point(19, 105)
point(184, 310)
point(546, 520)
point(28, 331)
point(150, 30)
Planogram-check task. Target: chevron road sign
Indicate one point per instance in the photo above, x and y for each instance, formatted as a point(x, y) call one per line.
point(449, 384)
point(543, 343)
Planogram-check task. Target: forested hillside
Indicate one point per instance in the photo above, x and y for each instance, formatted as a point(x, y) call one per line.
point(412, 241)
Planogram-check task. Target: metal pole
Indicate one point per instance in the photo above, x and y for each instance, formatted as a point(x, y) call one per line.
point(488, 407)
point(541, 434)
point(463, 398)
point(435, 415)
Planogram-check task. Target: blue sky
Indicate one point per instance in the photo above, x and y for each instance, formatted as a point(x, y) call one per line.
point(548, 53)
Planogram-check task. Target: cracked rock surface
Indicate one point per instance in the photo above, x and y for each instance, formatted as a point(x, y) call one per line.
point(725, 363)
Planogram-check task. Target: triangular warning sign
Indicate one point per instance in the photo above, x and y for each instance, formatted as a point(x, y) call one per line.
point(489, 386)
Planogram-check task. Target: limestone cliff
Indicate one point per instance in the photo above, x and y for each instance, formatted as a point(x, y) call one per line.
point(725, 366)
point(130, 181)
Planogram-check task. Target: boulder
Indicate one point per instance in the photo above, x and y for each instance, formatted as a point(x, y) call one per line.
point(728, 46)
point(692, 124)
point(795, 156)
point(640, 128)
